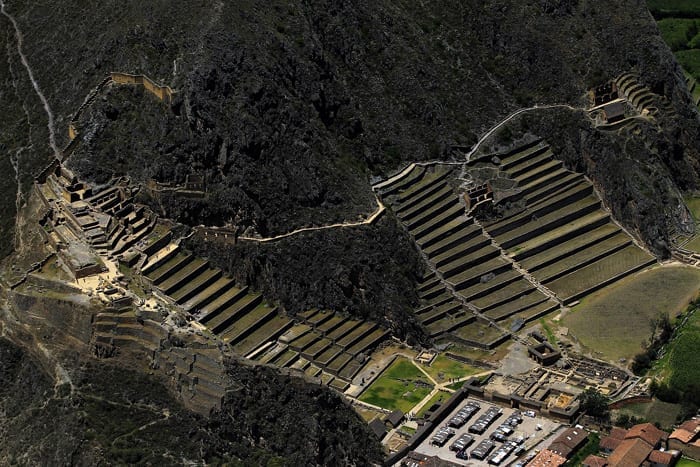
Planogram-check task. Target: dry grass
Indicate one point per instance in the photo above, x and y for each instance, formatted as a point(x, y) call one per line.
point(614, 321)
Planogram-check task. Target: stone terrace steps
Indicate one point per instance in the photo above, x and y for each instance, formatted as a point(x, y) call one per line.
point(196, 285)
point(209, 294)
point(236, 309)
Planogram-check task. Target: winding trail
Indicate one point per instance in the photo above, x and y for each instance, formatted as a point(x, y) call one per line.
point(35, 85)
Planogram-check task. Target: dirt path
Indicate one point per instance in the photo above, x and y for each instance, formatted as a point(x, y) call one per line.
point(35, 85)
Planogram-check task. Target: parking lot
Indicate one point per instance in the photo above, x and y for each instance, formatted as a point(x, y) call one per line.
point(527, 432)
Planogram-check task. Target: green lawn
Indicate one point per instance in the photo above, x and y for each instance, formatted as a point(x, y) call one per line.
point(694, 206)
point(443, 368)
point(401, 386)
point(685, 462)
point(655, 411)
point(683, 360)
point(439, 397)
point(615, 320)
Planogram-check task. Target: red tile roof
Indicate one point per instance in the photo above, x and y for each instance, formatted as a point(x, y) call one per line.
point(630, 453)
point(594, 461)
point(608, 443)
point(661, 457)
point(618, 433)
point(687, 431)
point(646, 432)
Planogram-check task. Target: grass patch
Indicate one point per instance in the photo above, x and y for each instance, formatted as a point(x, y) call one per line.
point(440, 397)
point(685, 462)
point(591, 447)
point(457, 385)
point(401, 386)
point(655, 411)
point(443, 368)
point(683, 363)
point(548, 332)
point(615, 320)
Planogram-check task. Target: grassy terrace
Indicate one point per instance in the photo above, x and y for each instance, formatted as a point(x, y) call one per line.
point(516, 158)
point(343, 329)
point(483, 288)
point(317, 347)
point(313, 371)
point(433, 292)
point(539, 171)
point(253, 319)
point(437, 312)
point(222, 301)
point(330, 324)
point(472, 248)
point(217, 321)
point(462, 279)
point(205, 296)
point(582, 258)
point(206, 277)
point(468, 260)
point(319, 317)
point(544, 181)
point(405, 182)
point(367, 341)
point(524, 166)
point(467, 232)
point(556, 252)
point(195, 266)
point(455, 211)
point(593, 274)
point(355, 334)
point(629, 304)
point(339, 362)
point(549, 222)
point(510, 291)
point(538, 310)
point(428, 283)
point(262, 334)
point(285, 358)
point(350, 370)
point(305, 340)
point(517, 305)
point(450, 322)
point(478, 331)
point(442, 198)
point(435, 216)
point(331, 352)
point(553, 187)
point(425, 192)
point(572, 193)
point(401, 386)
point(155, 274)
point(437, 235)
point(429, 181)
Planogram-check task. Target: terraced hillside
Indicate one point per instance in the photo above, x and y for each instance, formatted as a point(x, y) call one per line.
point(474, 293)
point(487, 281)
point(321, 344)
point(563, 237)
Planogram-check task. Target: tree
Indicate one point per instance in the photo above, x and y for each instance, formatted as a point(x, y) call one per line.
point(595, 404)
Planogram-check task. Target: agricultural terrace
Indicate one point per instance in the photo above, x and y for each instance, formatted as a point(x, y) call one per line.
point(401, 386)
point(654, 411)
point(614, 321)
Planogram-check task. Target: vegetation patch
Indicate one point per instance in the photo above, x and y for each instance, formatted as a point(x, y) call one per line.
point(443, 368)
point(656, 411)
point(615, 321)
point(438, 398)
point(685, 462)
point(401, 386)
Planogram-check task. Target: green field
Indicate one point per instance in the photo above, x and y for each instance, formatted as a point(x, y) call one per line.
point(614, 321)
point(683, 361)
point(443, 368)
point(654, 411)
point(685, 462)
point(679, 23)
point(439, 397)
point(401, 386)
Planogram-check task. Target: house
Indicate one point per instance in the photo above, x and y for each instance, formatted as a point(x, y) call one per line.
point(394, 418)
point(686, 438)
point(547, 458)
point(663, 458)
point(378, 428)
point(608, 444)
point(570, 441)
point(630, 453)
point(649, 433)
point(544, 353)
point(594, 461)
